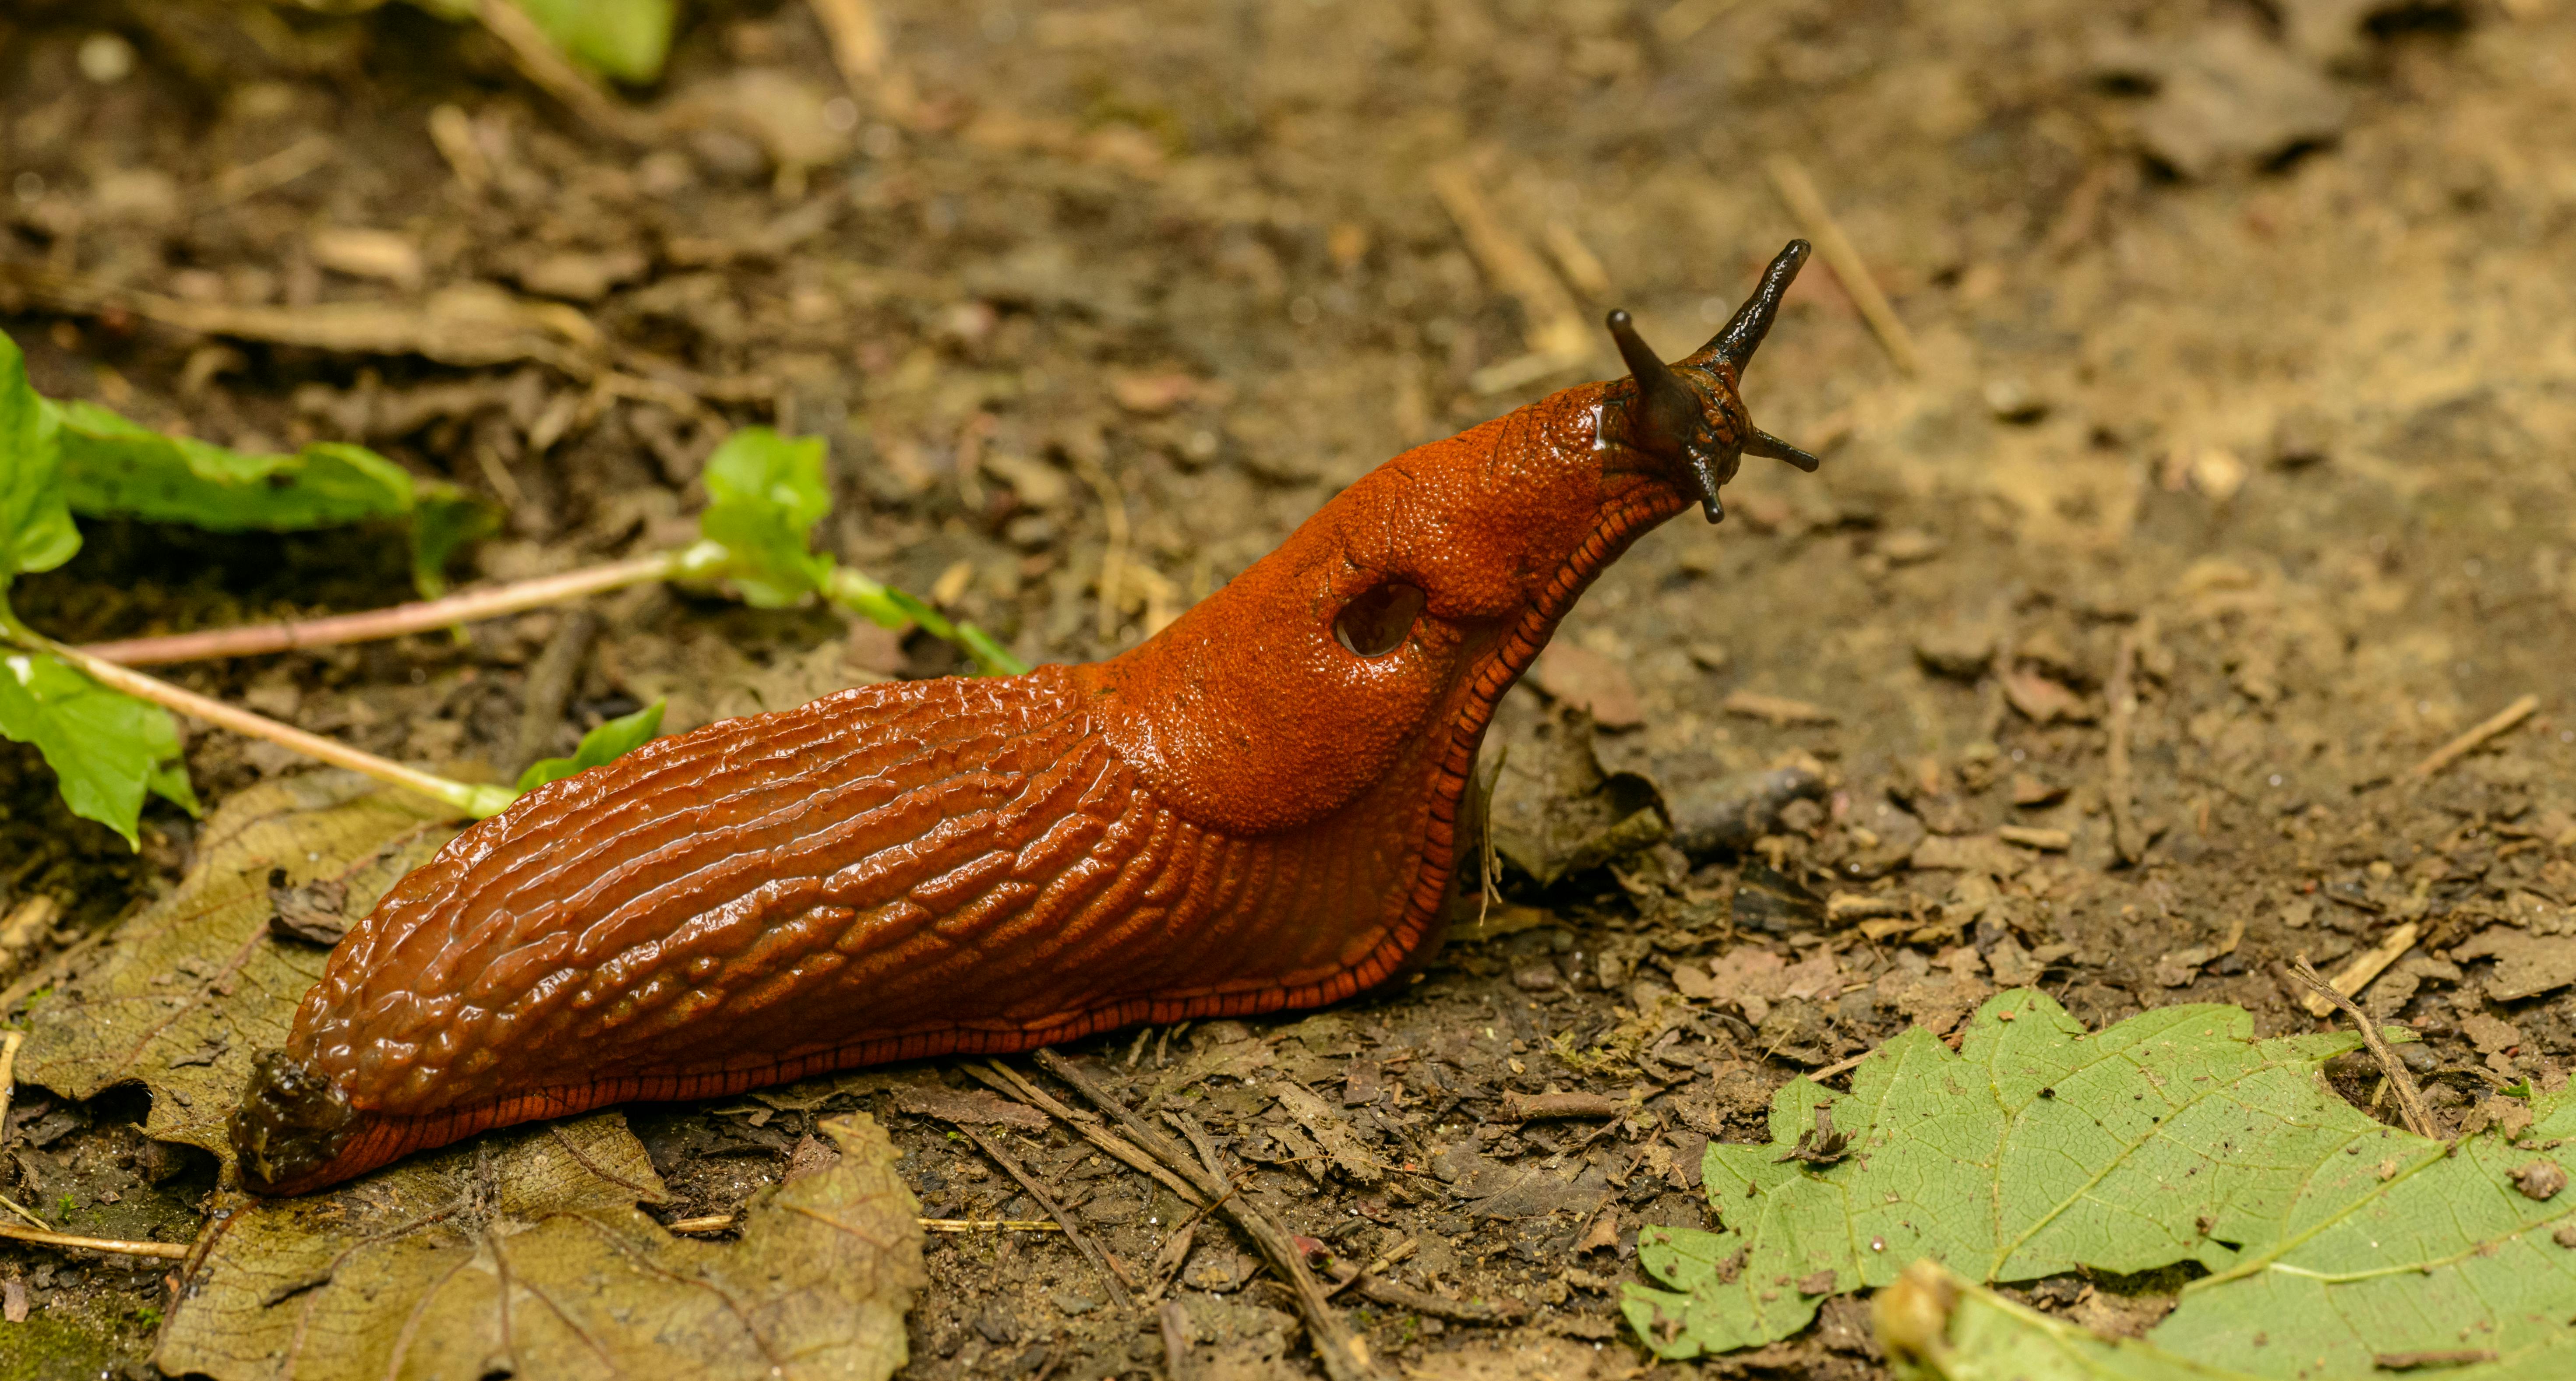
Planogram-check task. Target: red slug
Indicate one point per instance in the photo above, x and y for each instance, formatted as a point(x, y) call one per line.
point(1256, 809)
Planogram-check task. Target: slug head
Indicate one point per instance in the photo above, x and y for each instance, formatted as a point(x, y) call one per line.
point(291, 1123)
point(1368, 651)
point(1689, 413)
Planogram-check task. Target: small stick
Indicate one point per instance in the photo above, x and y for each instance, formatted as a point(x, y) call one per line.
point(1343, 1354)
point(541, 62)
point(1799, 191)
point(1004, 1079)
point(989, 1225)
point(1839, 1067)
point(550, 683)
point(2467, 743)
point(43, 974)
point(2367, 966)
point(1687, 17)
point(1394, 1254)
point(475, 801)
point(1113, 557)
point(1394, 1296)
point(2122, 692)
point(421, 616)
point(1558, 334)
point(1176, 1340)
point(2410, 1099)
point(858, 41)
point(166, 1251)
point(9, 1081)
point(1082, 1241)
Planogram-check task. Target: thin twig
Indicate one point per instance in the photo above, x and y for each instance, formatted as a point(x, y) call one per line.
point(541, 62)
point(2410, 1098)
point(1006, 1080)
point(1113, 556)
point(421, 616)
point(9, 1072)
point(727, 1222)
point(1839, 1066)
point(550, 683)
point(1808, 205)
point(2122, 692)
point(1384, 1263)
point(1394, 1296)
point(1176, 1341)
point(858, 41)
point(1558, 335)
point(43, 974)
point(2369, 964)
point(166, 1251)
point(1029, 1183)
point(475, 801)
point(1344, 1356)
point(2467, 743)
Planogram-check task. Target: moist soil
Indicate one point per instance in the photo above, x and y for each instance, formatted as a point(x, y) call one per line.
point(2238, 435)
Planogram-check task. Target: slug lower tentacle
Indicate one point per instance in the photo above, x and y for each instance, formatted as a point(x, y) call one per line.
point(1257, 809)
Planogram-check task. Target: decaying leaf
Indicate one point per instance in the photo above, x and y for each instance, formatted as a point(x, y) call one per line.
point(316, 913)
point(524, 1254)
point(187, 992)
point(1555, 812)
point(2330, 1239)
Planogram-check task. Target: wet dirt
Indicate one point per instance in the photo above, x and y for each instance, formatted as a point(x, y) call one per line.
point(2238, 444)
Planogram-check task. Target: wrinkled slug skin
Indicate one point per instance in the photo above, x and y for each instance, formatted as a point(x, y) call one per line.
point(1242, 814)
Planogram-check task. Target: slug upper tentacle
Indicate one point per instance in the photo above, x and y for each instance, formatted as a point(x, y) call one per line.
point(1259, 808)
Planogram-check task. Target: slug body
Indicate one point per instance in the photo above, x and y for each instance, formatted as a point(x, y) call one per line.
point(1257, 809)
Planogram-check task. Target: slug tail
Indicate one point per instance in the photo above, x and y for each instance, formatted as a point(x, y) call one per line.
point(292, 1124)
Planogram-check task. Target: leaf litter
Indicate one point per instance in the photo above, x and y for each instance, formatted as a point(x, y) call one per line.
point(2328, 1241)
point(186, 992)
point(525, 1254)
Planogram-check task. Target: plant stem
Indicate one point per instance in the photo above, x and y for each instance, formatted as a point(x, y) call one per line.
point(476, 801)
point(418, 617)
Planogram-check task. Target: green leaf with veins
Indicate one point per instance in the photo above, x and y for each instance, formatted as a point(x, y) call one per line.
point(106, 747)
point(605, 744)
point(764, 494)
point(1938, 1327)
point(114, 467)
point(36, 532)
point(2174, 1136)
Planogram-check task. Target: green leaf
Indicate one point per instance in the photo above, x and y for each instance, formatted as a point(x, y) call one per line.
point(2330, 1239)
point(116, 468)
point(113, 467)
point(445, 519)
point(991, 658)
point(1939, 1327)
point(106, 748)
point(36, 532)
point(764, 494)
point(627, 39)
point(605, 744)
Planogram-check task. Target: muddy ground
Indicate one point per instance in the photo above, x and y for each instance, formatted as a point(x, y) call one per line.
point(2245, 398)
